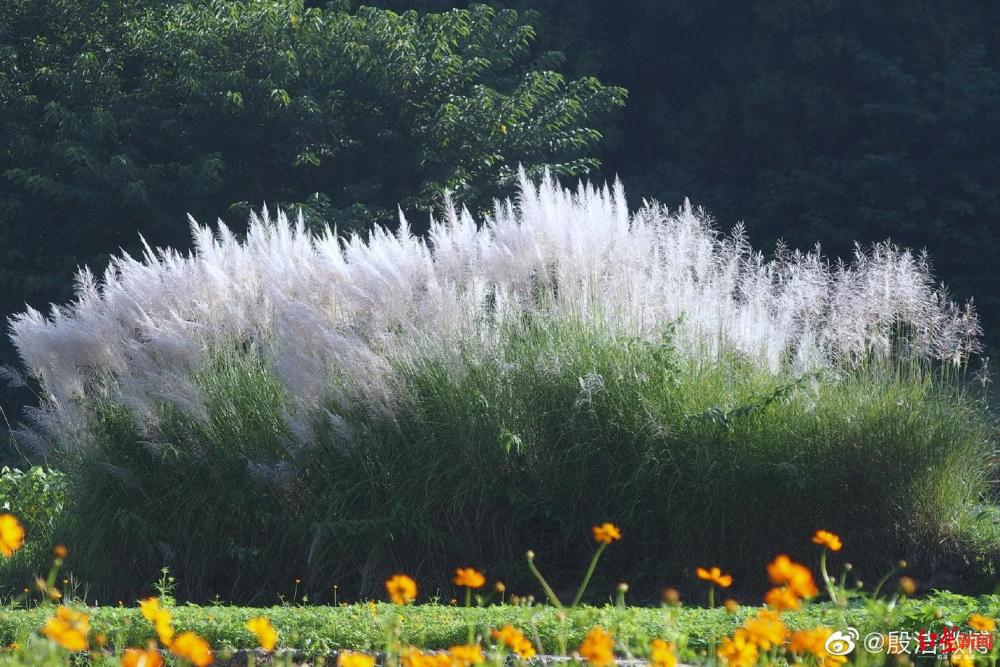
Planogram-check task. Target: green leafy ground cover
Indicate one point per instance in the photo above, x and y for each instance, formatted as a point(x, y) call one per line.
point(325, 629)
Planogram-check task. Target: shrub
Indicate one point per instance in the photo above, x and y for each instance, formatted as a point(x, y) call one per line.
point(297, 406)
point(38, 497)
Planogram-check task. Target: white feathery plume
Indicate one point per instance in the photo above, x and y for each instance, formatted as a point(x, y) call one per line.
point(337, 319)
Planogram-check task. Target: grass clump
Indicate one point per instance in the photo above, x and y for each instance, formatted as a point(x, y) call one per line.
point(293, 406)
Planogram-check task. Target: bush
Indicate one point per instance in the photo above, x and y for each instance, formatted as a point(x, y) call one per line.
point(293, 408)
point(37, 496)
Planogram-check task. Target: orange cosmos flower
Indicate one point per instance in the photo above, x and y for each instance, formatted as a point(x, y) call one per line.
point(134, 657)
point(963, 658)
point(766, 630)
point(808, 641)
point(661, 654)
point(68, 628)
point(189, 646)
point(782, 599)
point(416, 658)
point(598, 647)
point(515, 640)
point(352, 659)
point(264, 631)
point(467, 654)
point(467, 576)
point(982, 623)
point(813, 642)
point(401, 588)
point(783, 571)
point(715, 576)
point(60, 551)
point(159, 617)
point(606, 533)
point(11, 534)
point(827, 539)
point(738, 650)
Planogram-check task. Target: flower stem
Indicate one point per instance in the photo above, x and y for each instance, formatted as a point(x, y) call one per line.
point(589, 574)
point(830, 588)
point(545, 585)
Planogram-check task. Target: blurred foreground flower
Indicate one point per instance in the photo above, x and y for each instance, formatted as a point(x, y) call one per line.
point(515, 640)
point(192, 648)
point(134, 657)
point(598, 647)
point(352, 659)
point(11, 534)
point(68, 628)
point(266, 634)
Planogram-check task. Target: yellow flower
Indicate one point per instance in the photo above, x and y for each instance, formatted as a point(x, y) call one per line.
point(813, 642)
point(467, 654)
point(351, 659)
point(661, 654)
point(671, 596)
point(715, 576)
point(827, 539)
point(766, 630)
point(134, 657)
point(963, 658)
point(264, 631)
point(783, 571)
point(982, 623)
point(515, 641)
point(738, 651)
point(192, 648)
point(731, 605)
point(159, 617)
point(907, 585)
point(598, 647)
point(11, 534)
point(68, 628)
point(807, 641)
point(606, 533)
point(782, 599)
point(401, 589)
point(149, 608)
point(413, 657)
point(60, 551)
point(467, 576)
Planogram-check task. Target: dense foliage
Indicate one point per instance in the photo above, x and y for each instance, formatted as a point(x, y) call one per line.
point(121, 117)
point(323, 630)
